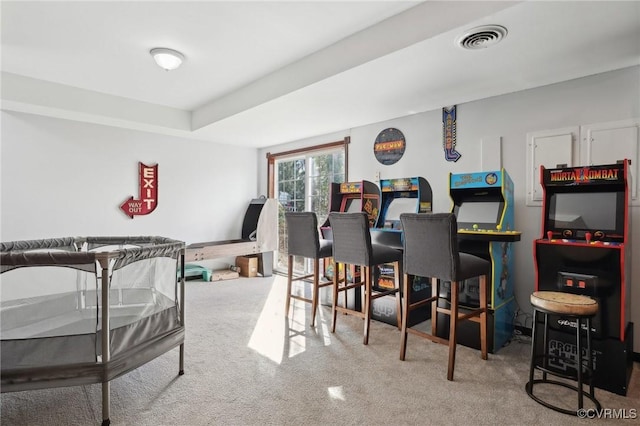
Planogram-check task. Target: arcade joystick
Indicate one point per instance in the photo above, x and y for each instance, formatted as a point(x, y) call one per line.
point(587, 236)
point(475, 226)
point(549, 235)
point(498, 227)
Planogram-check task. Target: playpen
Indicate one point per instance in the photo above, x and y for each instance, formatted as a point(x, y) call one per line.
point(58, 295)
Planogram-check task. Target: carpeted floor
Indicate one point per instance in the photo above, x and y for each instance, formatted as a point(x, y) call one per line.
point(246, 364)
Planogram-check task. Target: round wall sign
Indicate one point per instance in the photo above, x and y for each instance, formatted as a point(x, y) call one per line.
point(389, 146)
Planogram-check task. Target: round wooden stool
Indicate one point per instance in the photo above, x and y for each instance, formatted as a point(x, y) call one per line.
point(578, 309)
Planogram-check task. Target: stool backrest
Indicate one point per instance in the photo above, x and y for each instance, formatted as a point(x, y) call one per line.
point(302, 234)
point(351, 238)
point(430, 242)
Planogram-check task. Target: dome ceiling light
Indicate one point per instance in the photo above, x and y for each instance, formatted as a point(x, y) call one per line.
point(167, 59)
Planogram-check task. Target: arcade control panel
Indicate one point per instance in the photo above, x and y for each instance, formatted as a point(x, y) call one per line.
point(586, 238)
point(475, 232)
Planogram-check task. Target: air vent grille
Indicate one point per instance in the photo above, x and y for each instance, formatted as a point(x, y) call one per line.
point(482, 37)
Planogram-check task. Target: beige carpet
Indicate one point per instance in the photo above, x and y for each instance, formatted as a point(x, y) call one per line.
point(247, 365)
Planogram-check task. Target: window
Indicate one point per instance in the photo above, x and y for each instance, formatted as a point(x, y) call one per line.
point(301, 180)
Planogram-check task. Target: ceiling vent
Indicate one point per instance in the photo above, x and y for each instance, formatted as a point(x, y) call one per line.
point(482, 37)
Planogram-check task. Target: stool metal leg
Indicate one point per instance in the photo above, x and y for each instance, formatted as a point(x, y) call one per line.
point(589, 357)
point(545, 345)
point(579, 361)
point(532, 364)
point(590, 366)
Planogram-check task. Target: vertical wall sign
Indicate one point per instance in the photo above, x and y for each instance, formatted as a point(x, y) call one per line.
point(449, 134)
point(389, 146)
point(148, 199)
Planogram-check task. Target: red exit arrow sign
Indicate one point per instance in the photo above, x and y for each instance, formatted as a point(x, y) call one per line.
point(148, 198)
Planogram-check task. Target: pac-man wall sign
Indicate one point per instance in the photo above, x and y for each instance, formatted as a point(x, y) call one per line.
point(389, 146)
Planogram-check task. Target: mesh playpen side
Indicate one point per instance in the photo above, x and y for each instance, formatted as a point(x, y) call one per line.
point(58, 295)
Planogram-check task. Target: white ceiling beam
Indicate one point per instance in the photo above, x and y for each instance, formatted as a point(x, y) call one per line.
point(414, 25)
point(30, 95)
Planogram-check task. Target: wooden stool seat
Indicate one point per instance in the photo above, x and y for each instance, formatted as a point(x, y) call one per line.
point(564, 303)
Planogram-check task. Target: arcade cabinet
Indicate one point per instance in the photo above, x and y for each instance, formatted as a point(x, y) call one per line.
point(259, 237)
point(483, 205)
point(349, 197)
point(585, 248)
point(403, 195)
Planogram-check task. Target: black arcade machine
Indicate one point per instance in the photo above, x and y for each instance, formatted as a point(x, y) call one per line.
point(585, 248)
point(349, 197)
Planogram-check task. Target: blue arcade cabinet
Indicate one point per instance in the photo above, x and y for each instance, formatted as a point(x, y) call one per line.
point(484, 209)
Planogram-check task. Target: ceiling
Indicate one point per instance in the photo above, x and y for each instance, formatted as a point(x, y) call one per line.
point(263, 73)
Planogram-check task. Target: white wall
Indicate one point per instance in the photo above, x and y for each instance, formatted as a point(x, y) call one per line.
point(606, 97)
point(63, 178)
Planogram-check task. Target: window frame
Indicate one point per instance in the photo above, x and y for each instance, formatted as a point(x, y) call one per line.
point(273, 158)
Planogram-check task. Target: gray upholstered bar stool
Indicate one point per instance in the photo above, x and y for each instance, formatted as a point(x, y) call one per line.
point(431, 250)
point(573, 307)
point(304, 240)
point(352, 246)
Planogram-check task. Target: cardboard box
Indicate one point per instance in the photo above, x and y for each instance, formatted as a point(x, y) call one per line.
point(248, 265)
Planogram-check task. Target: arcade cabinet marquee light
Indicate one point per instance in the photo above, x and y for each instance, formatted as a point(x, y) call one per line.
point(583, 174)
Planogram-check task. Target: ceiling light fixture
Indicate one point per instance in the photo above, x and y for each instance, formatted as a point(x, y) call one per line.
point(167, 59)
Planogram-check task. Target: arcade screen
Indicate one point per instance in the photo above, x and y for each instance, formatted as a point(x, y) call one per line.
point(397, 206)
point(584, 210)
point(352, 205)
point(479, 212)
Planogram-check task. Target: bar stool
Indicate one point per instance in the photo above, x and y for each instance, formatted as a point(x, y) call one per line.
point(431, 250)
point(303, 240)
point(352, 246)
point(575, 308)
